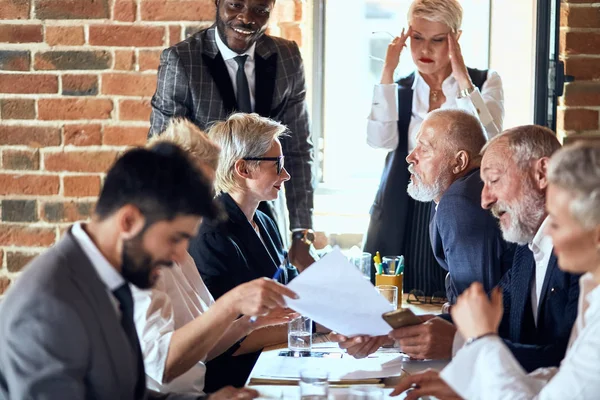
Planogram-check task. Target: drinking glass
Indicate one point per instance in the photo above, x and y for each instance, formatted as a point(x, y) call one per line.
point(390, 293)
point(300, 335)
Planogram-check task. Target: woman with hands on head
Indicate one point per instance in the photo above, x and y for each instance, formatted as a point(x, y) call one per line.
point(573, 204)
point(399, 224)
point(179, 324)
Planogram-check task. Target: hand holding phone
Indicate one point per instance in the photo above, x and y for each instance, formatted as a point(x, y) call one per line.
point(400, 318)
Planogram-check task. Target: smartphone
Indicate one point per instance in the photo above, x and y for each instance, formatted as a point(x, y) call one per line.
point(401, 317)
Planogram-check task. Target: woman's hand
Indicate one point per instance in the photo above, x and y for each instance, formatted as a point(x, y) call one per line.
point(392, 56)
point(359, 346)
point(276, 316)
point(459, 69)
point(474, 314)
point(258, 297)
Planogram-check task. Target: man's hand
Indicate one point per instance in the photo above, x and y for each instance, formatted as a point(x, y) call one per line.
point(426, 383)
point(359, 346)
point(258, 297)
point(432, 339)
point(475, 314)
point(229, 392)
point(300, 256)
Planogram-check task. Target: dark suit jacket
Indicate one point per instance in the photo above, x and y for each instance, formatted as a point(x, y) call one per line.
point(466, 239)
point(193, 82)
point(543, 345)
point(61, 336)
point(228, 254)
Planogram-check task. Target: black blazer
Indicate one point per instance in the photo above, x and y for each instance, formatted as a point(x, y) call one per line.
point(227, 254)
point(543, 345)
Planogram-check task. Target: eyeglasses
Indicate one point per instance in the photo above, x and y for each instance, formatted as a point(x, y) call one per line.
point(278, 161)
point(417, 296)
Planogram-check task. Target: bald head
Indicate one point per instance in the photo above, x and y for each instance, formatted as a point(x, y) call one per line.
point(448, 146)
point(460, 130)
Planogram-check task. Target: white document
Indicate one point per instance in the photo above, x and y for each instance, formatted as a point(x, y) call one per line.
point(376, 366)
point(335, 294)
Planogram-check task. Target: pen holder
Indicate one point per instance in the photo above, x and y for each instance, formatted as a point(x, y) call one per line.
point(394, 280)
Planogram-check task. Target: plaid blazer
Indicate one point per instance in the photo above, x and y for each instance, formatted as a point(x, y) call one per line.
point(193, 82)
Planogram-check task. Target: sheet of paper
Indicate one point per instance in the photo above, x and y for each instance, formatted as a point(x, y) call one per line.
point(335, 294)
point(346, 368)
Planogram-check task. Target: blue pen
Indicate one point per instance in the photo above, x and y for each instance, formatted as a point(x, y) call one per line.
point(275, 277)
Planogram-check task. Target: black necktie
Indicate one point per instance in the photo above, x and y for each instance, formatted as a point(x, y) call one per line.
point(241, 82)
point(123, 294)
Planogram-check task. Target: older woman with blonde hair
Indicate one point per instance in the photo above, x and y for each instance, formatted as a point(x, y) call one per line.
point(399, 224)
point(179, 324)
point(573, 204)
point(246, 246)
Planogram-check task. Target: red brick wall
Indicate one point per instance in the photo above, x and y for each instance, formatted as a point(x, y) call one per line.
point(579, 108)
point(76, 77)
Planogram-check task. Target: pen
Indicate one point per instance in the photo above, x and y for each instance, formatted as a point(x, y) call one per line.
point(275, 277)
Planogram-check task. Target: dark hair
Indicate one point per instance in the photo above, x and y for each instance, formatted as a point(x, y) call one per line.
point(162, 182)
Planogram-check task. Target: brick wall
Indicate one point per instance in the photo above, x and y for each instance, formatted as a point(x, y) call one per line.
point(579, 108)
point(76, 77)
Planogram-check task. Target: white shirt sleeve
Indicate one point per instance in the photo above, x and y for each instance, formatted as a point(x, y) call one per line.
point(487, 104)
point(382, 124)
point(155, 324)
point(496, 374)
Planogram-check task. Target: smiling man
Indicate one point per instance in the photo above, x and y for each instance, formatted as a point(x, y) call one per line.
point(234, 66)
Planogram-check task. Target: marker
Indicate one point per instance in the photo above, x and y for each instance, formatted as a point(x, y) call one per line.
point(275, 278)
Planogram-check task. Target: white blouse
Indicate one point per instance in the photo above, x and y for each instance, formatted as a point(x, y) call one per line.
point(178, 297)
point(488, 370)
point(382, 125)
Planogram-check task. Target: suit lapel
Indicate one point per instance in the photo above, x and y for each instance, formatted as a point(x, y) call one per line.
point(95, 292)
point(266, 72)
point(552, 267)
point(218, 70)
point(436, 241)
point(252, 243)
point(521, 289)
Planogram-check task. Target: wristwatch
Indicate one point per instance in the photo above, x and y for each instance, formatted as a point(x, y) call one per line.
point(306, 236)
point(466, 92)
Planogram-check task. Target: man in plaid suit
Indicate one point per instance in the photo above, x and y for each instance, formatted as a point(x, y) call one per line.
point(233, 66)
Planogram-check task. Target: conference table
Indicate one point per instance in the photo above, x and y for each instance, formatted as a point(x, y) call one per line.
point(270, 389)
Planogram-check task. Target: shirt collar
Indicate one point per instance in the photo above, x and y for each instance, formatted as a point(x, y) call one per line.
point(229, 54)
point(541, 243)
point(108, 274)
point(420, 81)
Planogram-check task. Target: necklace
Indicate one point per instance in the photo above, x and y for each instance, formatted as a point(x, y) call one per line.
point(434, 95)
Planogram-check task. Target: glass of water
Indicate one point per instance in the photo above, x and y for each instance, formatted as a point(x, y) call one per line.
point(300, 335)
point(314, 384)
point(365, 393)
point(390, 293)
point(363, 263)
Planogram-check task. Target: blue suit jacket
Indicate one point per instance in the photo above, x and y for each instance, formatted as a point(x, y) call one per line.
point(466, 239)
point(543, 345)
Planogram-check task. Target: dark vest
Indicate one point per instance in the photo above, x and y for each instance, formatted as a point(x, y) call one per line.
point(390, 210)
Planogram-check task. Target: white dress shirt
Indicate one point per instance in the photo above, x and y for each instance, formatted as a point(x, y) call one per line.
point(382, 125)
point(541, 247)
point(494, 373)
point(178, 297)
point(111, 278)
point(232, 66)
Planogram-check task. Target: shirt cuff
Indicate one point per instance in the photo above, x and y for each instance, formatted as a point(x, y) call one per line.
point(385, 103)
point(474, 104)
point(458, 343)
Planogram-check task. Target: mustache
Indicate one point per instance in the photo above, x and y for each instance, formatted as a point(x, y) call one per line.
point(411, 169)
point(247, 27)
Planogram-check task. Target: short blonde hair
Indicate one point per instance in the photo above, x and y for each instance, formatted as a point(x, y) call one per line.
point(576, 168)
point(448, 12)
point(190, 138)
point(241, 135)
